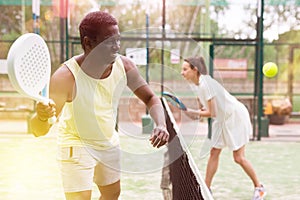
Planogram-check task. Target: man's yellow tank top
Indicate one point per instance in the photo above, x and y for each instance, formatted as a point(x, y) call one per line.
point(90, 119)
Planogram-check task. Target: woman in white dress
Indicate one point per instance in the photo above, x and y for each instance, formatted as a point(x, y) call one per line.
point(231, 125)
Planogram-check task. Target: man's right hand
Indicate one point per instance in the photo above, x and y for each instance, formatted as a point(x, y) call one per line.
point(45, 111)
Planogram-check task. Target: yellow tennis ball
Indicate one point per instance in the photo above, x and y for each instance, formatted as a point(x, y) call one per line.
point(270, 69)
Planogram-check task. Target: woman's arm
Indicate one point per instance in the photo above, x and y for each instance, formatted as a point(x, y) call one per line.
point(198, 113)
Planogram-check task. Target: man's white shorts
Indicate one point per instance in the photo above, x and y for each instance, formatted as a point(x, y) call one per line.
point(81, 166)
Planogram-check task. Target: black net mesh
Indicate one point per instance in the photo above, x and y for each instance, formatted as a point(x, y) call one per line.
point(183, 180)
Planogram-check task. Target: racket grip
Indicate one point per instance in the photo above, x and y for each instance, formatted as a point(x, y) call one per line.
point(52, 120)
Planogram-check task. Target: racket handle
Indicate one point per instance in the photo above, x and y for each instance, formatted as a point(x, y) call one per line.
point(52, 120)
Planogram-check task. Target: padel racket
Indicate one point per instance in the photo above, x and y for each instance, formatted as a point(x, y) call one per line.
point(174, 100)
point(29, 67)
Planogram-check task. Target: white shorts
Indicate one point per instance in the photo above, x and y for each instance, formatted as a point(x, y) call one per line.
point(80, 168)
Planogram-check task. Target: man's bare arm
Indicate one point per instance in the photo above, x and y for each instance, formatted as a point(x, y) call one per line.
point(142, 90)
point(61, 85)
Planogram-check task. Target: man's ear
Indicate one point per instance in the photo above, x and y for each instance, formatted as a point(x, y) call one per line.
point(87, 43)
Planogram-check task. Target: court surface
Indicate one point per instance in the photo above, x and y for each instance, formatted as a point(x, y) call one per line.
point(29, 170)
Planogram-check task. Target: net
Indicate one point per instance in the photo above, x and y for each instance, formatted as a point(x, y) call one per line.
point(185, 179)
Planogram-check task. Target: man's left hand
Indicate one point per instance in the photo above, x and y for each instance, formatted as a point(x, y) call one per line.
point(159, 137)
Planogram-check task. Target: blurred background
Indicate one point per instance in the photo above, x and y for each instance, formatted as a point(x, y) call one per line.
point(235, 37)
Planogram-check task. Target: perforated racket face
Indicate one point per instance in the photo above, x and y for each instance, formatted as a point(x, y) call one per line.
point(29, 64)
